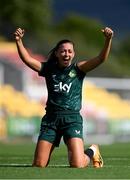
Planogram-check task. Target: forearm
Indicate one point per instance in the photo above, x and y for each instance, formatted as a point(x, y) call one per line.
point(106, 49)
point(90, 64)
point(26, 57)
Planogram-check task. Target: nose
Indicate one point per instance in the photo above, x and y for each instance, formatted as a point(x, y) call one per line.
point(66, 53)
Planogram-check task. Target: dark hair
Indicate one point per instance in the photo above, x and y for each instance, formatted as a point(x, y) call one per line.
point(51, 55)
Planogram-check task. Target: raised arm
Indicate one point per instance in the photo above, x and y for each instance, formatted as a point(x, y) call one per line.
point(23, 53)
point(88, 65)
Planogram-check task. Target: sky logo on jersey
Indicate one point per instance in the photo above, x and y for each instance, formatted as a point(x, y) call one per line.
point(62, 87)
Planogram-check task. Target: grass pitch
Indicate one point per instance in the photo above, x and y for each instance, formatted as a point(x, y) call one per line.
point(16, 159)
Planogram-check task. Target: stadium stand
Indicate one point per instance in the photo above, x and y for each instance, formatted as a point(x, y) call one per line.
point(114, 106)
point(96, 101)
point(17, 104)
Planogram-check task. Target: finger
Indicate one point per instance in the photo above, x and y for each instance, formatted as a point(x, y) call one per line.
point(108, 30)
point(20, 31)
point(16, 33)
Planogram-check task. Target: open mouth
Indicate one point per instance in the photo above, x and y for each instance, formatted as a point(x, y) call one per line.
point(66, 59)
point(66, 62)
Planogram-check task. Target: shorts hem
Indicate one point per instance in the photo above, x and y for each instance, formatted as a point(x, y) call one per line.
point(67, 138)
point(53, 143)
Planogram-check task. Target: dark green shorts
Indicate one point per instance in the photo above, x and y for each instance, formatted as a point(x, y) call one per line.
point(56, 125)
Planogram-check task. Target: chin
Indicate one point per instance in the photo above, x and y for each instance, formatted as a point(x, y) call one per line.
point(66, 63)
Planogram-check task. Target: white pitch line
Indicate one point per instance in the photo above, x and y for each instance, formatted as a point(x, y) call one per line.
point(14, 164)
point(117, 159)
point(1, 158)
point(30, 165)
point(15, 157)
point(54, 165)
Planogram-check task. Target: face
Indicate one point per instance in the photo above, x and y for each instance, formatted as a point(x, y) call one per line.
point(65, 54)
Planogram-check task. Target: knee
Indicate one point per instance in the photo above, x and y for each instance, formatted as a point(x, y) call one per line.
point(77, 165)
point(39, 164)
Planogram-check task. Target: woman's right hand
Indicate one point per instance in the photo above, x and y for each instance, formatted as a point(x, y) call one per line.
point(19, 33)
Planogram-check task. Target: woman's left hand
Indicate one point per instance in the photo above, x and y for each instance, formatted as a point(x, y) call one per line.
point(108, 32)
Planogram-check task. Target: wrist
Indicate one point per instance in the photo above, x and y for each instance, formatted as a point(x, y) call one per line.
point(18, 40)
point(109, 38)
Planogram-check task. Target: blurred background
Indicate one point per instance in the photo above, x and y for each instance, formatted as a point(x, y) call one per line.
point(106, 91)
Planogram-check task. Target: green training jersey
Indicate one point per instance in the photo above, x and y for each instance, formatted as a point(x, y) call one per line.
point(64, 87)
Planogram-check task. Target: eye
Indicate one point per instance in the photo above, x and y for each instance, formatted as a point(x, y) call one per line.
point(70, 51)
point(62, 51)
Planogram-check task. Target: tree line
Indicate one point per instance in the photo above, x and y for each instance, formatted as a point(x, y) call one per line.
point(43, 32)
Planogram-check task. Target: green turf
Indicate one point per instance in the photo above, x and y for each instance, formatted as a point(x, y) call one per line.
point(16, 159)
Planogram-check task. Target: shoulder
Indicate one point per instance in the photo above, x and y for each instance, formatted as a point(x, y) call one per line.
point(77, 67)
point(44, 67)
point(78, 70)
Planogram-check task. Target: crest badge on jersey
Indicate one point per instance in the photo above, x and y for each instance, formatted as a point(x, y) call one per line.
point(72, 73)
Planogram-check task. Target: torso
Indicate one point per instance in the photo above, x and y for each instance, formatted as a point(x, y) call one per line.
point(64, 88)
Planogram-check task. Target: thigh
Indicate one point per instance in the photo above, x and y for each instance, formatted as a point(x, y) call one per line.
point(49, 131)
point(76, 154)
point(72, 127)
point(42, 153)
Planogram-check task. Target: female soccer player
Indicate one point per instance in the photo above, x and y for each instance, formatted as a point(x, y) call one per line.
point(64, 83)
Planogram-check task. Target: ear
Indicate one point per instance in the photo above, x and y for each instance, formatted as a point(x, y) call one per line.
point(56, 53)
point(74, 54)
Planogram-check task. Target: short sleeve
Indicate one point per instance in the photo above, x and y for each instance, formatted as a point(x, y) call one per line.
point(43, 69)
point(80, 73)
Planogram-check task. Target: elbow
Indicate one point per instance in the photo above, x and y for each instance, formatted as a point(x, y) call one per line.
point(103, 58)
